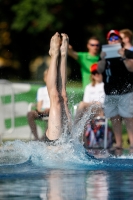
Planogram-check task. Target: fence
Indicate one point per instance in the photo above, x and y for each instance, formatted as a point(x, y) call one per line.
point(14, 101)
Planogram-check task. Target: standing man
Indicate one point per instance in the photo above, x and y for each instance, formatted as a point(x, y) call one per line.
point(118, 84)
point(86, 59)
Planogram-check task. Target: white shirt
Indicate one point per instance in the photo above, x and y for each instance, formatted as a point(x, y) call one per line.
point(42, 95)
point(94, 93)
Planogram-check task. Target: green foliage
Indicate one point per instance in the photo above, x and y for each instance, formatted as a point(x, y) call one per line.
point(35, 16)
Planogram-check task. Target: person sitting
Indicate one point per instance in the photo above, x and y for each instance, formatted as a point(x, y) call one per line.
point(93, 99)
point(42, 108)
point(93, 94)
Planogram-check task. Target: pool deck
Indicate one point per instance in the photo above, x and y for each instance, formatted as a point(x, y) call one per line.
point(104, 153)
point(22, 133)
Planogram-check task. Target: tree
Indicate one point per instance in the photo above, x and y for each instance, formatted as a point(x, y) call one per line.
point(32, 23)
point(35, 15)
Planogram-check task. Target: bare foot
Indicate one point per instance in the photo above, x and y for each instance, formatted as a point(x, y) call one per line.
point(55, 44)
point(64, 45)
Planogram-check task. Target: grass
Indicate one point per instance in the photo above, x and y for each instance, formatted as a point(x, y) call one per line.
point(74, 84)
point(124, 139)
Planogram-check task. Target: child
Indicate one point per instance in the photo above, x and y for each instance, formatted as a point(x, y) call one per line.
point(93, 94)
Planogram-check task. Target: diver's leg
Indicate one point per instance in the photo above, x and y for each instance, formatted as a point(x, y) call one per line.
point(63, 74)
point(54, 123)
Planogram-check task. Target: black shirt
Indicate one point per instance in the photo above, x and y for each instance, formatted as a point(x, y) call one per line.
point(117, 79)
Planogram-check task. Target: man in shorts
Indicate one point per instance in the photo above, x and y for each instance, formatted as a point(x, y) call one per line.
point(118, 84)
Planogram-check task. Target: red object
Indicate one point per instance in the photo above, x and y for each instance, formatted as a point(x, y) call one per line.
point(93, 67)
point(115, 32)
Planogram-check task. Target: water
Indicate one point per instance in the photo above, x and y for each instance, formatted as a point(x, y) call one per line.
point(29, 170)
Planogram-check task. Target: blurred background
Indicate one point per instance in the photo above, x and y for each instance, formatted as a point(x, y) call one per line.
point(26, 27)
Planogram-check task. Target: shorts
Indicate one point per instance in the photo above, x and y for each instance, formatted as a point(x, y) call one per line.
point(121, 105)
point(41, 115)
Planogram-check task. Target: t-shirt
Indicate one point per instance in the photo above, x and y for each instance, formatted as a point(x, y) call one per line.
point(42, 95)
point(86, 60)
point(117, 79)
point(94, 93)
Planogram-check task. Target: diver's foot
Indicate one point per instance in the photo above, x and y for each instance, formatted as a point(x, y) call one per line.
point(64, 44)
point(55, 45)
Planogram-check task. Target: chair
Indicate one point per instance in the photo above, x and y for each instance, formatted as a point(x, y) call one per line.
point(31, 107)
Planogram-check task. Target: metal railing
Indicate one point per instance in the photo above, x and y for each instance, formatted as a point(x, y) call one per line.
point(6, 111)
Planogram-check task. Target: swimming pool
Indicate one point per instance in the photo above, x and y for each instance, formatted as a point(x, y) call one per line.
point(28, 170)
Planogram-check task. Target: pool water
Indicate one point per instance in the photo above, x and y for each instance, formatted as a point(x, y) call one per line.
point(30, 170)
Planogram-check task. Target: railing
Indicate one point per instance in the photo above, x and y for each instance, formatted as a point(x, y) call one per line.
point(6, 108)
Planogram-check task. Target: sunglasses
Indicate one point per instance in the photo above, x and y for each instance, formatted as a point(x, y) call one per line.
point(94, 45)
point(115, 37)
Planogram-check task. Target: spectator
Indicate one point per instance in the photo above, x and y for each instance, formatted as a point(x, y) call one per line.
point(95, 128)
point(118, 84)
point(43, 105)
point(86, 59)
point(127, 39)
point(93, 94)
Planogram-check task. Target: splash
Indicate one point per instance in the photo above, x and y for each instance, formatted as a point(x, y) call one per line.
point(66, 155)
point(69, 152)
point(69, 156)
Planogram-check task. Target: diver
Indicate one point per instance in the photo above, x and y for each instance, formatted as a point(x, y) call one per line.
point(59, 115)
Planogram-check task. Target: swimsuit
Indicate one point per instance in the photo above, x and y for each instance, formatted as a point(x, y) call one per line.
point(53, 142)
point(50, 142)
